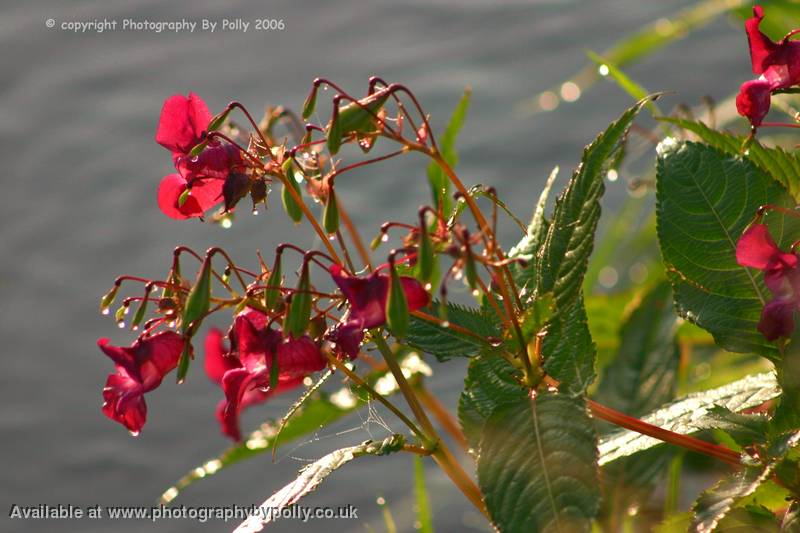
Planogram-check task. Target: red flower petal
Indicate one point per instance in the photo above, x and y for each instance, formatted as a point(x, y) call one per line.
point(182, 122)
point(123, 401)
point(756, 248)
point(218, 360)
point(299, 357)
point(204, 195)
point(140, 368)
point(753, 100)
point(367, 295)
point(761, 46)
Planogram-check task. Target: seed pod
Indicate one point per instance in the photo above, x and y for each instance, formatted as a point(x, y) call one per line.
point(141, 310)
point(311, 102)
point(289, 204)
point(184, 196)
point(299, 313)
point(335, 132)
point(330, 217)
point(108, 299)
point(425, 257)
point(217, 122)
point(396, 306)
point(272, 292)
point(199, 300)
point(183, 363)
point(360, 117)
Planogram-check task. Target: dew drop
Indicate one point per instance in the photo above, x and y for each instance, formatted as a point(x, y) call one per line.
point(171, 324)
point(380, 500)
point(255, 212)
point(226, 223)
point(127, 309)
point(121, 324)
point(385, 237)
point(445, 324)
point(476, 293)
point(134, 433)
point(135, 328)
point(603, 70)
point(428, 287)
point(332, 237)
point(494, 341)
point(106, 311)
point(181, 381)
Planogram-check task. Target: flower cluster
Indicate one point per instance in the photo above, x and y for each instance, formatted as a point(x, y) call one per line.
point(776, 64)
point(281, 335)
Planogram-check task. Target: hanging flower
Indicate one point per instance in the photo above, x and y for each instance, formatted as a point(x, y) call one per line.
point(778, 67)
point(140, 368)
point(756, 249)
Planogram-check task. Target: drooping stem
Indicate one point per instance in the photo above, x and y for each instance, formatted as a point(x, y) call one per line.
point(684, 441)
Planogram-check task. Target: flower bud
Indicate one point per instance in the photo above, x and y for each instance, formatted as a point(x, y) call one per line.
point(360, 117)
point(396, 306)
point(330, 217)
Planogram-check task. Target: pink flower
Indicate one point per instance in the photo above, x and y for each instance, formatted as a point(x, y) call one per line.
point(367, 295)
point(139, 369)
point(756, 249)
point(777, 64)
point(182, 126)
point(244, 374)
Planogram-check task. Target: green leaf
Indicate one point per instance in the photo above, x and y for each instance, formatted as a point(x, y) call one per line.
point(783, 166)
point(744, 429)
point(445, 343)
point(527, 248)
point(490, 382)
point(705, 200)
point(423, 508)
point(312, 475)
point(642, 376)
point(440, 184)
point(715, 503)
point(750, 519)
point(561, 263)
point(537, 466)
point(314, 413)
point(687, 415)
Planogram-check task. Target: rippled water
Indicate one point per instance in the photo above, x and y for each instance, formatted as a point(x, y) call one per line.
point(80, 170)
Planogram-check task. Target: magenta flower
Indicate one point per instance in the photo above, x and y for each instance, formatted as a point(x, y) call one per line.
point(182, 126)
point(367, 298)
point(778, 67)
point(244, 374)
point(756, 249)
point(367, 295)
point(139, 369)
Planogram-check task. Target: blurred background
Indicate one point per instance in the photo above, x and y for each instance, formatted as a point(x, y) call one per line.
point(78, 208)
